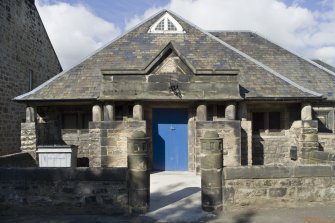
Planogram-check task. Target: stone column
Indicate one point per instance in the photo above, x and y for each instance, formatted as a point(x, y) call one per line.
point(246, 134)
point(211, 171)
point(202, 112)
point(230, 113)
point(306, 112)
point(138, 172)
point(96, 113)
point(109, 112)
point(138, 111)
point(30, 114)
point(242, 111)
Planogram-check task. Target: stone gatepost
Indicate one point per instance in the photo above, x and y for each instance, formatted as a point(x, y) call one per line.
point(211, 171)
point(29, 133)
point(138, 172)
point(308, 138)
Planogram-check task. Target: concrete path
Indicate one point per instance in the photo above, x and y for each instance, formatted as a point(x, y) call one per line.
point(176, 197)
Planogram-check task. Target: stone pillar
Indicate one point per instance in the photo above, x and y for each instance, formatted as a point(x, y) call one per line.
point(138, 172)
point(109, 112)
point(211, 171)
point(242, 111)
point(138, 111)
point(29, 138)
point(230, 113)
point(96, 113)
point(202, 112)
point(306, 112)
point(30, 114)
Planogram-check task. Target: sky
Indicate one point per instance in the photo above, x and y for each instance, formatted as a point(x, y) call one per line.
point(77, 28)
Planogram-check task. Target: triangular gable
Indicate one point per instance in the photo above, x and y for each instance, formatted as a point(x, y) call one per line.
point(139, 52)
point(157, 60)
point(166, 24)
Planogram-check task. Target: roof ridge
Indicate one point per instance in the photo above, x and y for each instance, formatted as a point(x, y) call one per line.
point(303, 89)
point(296, 54)
point(89, 56)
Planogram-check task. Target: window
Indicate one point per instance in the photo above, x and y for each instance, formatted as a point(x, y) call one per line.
point(325, 120)
point(160, 26)
point(210, 112)
point(76, 120)
point(266, 121)
point(86, 118)
point(274, 120)
point(258, 121)
point(30, 80)
point(70, 121)
point(220, 111)
point(171, 26)
point(166, 24)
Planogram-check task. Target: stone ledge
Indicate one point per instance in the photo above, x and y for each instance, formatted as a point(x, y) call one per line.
point(272, 172)
point(63, 174)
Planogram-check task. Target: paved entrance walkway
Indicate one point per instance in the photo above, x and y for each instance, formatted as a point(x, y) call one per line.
point(176, 197)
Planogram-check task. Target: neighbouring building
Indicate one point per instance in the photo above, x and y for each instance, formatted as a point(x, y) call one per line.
point(27, 59)
point(175, 81)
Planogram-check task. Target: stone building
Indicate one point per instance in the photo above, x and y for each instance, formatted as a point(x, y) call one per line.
point(176, 81)
point(27, 59)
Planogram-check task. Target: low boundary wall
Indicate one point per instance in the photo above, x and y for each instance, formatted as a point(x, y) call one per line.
point(273, 185)
point(63, 190)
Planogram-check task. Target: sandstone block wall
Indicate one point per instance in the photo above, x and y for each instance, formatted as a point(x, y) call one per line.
point(28, 138)
point(25, 47)
point(271, 149)
point(276, 185)
point(79, 138)
point(108, 142)
point(230, 131)
point(327, 142)
point(63, 191)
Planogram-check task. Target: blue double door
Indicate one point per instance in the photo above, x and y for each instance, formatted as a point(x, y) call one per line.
point(170, 139)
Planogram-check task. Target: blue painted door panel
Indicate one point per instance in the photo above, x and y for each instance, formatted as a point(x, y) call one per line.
point(170, 139)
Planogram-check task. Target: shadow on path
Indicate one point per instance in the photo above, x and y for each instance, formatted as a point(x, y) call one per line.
point(159, 201)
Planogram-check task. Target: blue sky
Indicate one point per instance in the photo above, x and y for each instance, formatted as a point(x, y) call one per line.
point(79, 27)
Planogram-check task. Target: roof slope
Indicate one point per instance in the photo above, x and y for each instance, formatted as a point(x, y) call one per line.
point(137, 49)
point(327, 66)
point(303, 72)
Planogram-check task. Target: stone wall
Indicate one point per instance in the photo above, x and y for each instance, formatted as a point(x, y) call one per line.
point(77, 137)
point(277, 185)
point(28, 138)
point(108, 142)
point(25, 47)
point(63, 191)
point(17, 160)
point(327, 142)
point(271, 149)
point(230, 131)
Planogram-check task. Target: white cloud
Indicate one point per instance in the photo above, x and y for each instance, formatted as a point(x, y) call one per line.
point(326, 54)
point(74, 31)
point(310, 33)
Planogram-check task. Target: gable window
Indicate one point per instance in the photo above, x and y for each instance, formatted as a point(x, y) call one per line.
point(166, 24)
point(160, 26)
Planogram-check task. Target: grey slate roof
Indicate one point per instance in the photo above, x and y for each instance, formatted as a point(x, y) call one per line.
point(327, 66)
point(137, 49)
point(301, 71)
